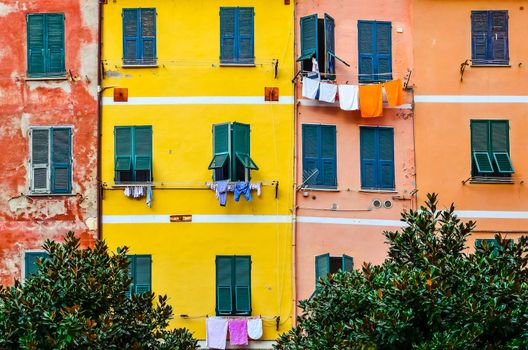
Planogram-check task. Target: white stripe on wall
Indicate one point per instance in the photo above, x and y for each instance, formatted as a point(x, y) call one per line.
point(470, 99)
point(349, 221)
point(482, 214)
point(197, 100)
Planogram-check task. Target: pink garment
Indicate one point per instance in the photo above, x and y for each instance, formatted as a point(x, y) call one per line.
point(238, 334)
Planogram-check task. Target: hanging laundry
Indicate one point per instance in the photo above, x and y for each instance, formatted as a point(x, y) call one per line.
point(348, 97)
point(371, 100)
point(221, 192)
point(238, 332)
point(242, 188)
point(310, 88)
point(128, 191)
point(216, 332)
point(327, 92)
point(254, 327)
point(149, 196)
point(394, 91)
point(315, 69)
point(257, 187)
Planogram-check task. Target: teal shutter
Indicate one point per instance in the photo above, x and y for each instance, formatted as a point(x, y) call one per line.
point(143, 274)
point(384, 51)
point(131, 274)
point(481, 158)
point(30, 262)
point(367, 50)
point(322, 267)
point(61, 170)
point(490, 147)
point(246, 26)
point(500, 145)
point(122, 151)
point(499, 37)
point(131, 39)
point(36, 44)
point(55, 44)
point(221, 148)
point(224, 285)
point(311, 167)
point(40, 160)
point(243, 285)
point(309, 38)
point(228, 35)
point(240, 150)
point(368, 157)
point(348, 263)
point(328, 155)
point(329, 26)
point(386, 158)
point(148, 36)
point(142, 162)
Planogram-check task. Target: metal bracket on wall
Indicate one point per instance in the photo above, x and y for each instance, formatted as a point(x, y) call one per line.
point(276, 189)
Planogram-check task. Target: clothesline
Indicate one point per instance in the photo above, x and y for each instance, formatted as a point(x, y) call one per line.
point(264, 318)
point(161, 184)
point(336, 74)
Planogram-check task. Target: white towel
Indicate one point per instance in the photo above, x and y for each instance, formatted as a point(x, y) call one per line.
point(216, 333)
point(254, 326)
point(310, 88)
point(327, 92)
point(348, 97)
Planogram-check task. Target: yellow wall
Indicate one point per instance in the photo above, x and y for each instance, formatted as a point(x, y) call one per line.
point(183, 254)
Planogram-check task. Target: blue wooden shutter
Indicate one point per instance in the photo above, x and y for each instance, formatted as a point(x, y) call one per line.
point(322, 267)
point(35, 44)
point(131, 38)
point(143, 274)
point(30, 262)
point(224, 285)
point(243, 285)
point(328, 155)
point(61, 170)
point(369, 159)
point(147, 50)
point(228, 35)
point(40, 160)
point(309, 40)
point(383, 66)
point(329, 26)
point(386, 158)
point(246, 29)
point(142, 162)
point(367, 50)
point(348, 263)
point(55, 44)
point(499, 37)
point(311, 161)
point(122, 151)
point(479, 37)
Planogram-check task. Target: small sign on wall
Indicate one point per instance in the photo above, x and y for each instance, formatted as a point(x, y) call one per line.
point(120, 94)
point(271, 94)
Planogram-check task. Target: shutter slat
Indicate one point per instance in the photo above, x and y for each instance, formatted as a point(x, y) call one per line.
point(479, 136)
point(368, 155)
point(55, 31)
point(36, 45)
point(329, 26)
point(384, 51)
point(142, 162)
point(224, 283)
point(240, 145)
point(61, 160)
point(499, 136)
point(148, 36)
point(348, 263)
point(228, 51)
point(311, 160)
point(499, 37)
point(322, 267)
point(246, 27)
point(243, 284)
point(386, 158)
point(367, 50)
point(309, 35)
point(328, 155)
point(130, 36)
point(143, 274)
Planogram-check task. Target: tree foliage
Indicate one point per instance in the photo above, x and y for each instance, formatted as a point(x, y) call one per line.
point(428, 294)
point(77, 301)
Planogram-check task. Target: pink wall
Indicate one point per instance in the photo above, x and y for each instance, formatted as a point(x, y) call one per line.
point(357, 228)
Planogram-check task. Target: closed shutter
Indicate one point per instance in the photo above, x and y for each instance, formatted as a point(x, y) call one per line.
point(500, 146)
point(479, 36)
point(224, 285)
point(368, 155)
point(228, 47)
point(246, 35)
point(329, 25)
point(61, 171)
point(243, 285)
point(383, 51)
point(480, 147)
point(367, 50)
point(148, 36)
point(143, 274)
point(36, 44)
point(122, 150)
point(130, 36)
point(328, 155)
point(499, 37)
point(142, 153)
point(386, 158)
point(348, 263)
point(55, 44)
point(322, 267)
point(312, 173)
point(40, 148)
point(30, 262)
point(131, 274)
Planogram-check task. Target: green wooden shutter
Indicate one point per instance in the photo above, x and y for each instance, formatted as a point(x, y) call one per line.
point(224, 285)
point(132, 275)
point(309, 38)
point(386, 158)
point(221, 148)
point(30, 262)
point(122, 150)
point(142, 161)
point(479, 36)
point(329, 36)
point(40, 160)
point(367, 50)
point(55, 44)
point(368, 157)
point(500, 145)
point(499, 37)
point(131, 36)
point(312, 172)
point(35, 44)
point(246, 29)
point(143, 274)
point(61, 170)
point(240, 150)
point(322, 267)
point(243, 285)
point(148, 36)
point(480, 147)
point(383, 51)
point(328, 155)
point(228, 49)
point(348, 263)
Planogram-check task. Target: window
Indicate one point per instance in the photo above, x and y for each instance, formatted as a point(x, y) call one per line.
point(318, 40)
point(133, 154)
point(489, 37)
point(319, 156)
point(140, 271)
point(375, 51)
point(377, 158)
point(325, 264)
point(233, 285)
point(231, 152)
point(237, 35)
point(139, 36)
point(490, 148)
point(45, 45)
point(30, 262)
point(51, 160)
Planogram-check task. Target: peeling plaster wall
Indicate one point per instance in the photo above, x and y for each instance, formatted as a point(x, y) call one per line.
point(27, 221)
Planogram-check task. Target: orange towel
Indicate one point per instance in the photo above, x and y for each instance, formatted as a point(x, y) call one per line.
point(394, 91)
point(370, 100)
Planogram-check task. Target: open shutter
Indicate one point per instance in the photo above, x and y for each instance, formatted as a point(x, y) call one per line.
point(383, 51)
point(61, 170)
point(130, 36)
point(329, 26)
point(55, 49)
point(243, 284)
point(148, 36)
point(322, 267)
point(479, 36)
point(499, 37)
point(328, 155)
point(241, 150)
point(123, 151)
point(348, 263)
point(309, 38)
point(221, 147)
point(143, 274)
point(386, 158)
point(30, 262)
point(224, 285)
point(481, 155)
point(246, 27)
point(132, 275)
point(500, 145)
point(35, 44)
point(40, 160)
point(228, 47)
point(142, 162)
point(368, 155)
point(367, 50)
point(312, 172)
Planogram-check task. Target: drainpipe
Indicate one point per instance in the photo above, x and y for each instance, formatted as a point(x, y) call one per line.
point(99, 122)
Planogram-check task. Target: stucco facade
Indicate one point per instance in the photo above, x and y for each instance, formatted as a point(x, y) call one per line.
point(31, 99)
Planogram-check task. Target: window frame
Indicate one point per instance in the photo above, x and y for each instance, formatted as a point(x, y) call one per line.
point(237, 60)
point(320, 183)
point(139, 61)
point(375, 75)
point(36, 254)
point(234, 311)
point(490, 60)
point(133, 156)
point(133, 274)
point(328, 260)
point(476, 171)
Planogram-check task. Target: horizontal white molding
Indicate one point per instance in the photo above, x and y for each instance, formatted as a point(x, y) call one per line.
point(350, 221)
point(470, 99)
point(198, 219)
point(257, 345)
point(314, 103)
point(136, 219)
point(483, 214)
point(197, 100)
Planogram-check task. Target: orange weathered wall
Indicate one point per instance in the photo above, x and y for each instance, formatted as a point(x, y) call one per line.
point(359, 228)
point(26, 221)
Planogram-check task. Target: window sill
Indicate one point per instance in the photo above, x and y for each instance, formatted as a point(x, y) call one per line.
point(45, 78)
point(378, 191)
point(50, 195)
point(129, 184)
point(322, 189)
point(491, 180)
point(125, 66)
point(482, 65)
point(238, 65)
